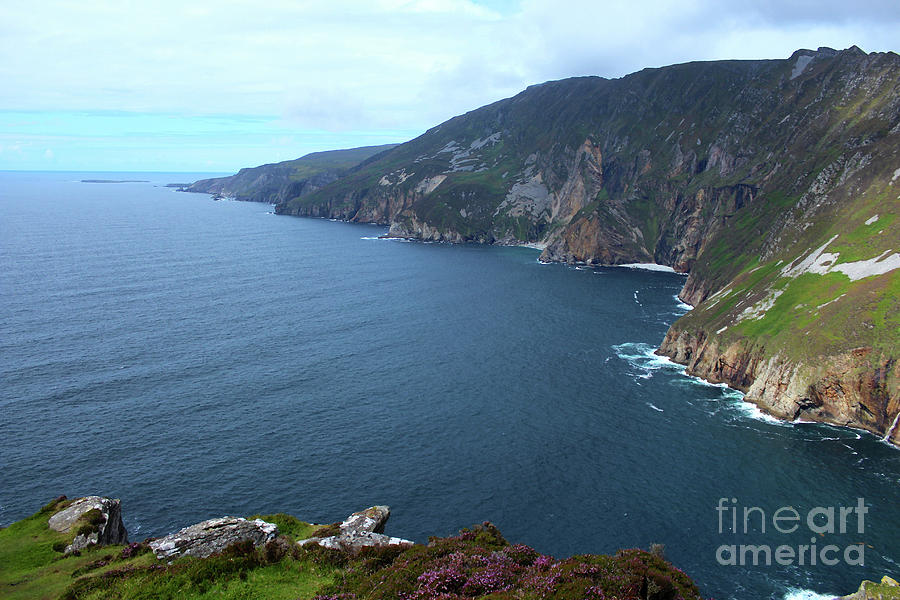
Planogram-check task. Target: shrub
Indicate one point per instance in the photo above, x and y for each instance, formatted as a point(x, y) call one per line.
point(327, 531)
point(478, 563)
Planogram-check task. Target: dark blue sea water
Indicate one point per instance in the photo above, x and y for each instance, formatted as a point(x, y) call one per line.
point(198, 358)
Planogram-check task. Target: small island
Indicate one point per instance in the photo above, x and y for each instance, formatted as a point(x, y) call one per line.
point(114, 181)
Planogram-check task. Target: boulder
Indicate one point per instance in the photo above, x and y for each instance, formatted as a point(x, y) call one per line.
point(353, 542)
point(360, 530)
point(370, 520)
point(213, 536)
point(93, 520)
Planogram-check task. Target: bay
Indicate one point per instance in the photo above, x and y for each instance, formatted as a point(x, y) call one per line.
point(198, 358)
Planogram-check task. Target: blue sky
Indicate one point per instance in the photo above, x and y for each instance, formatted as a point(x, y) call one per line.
point(203, 85)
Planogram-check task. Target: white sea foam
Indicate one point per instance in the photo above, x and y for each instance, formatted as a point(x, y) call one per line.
point(534, 245)
point(654, 407)
point(644, 358)
point(682, 305)
point(387, 239)
point(752, 411)
point(798, 594)
point(648, 267)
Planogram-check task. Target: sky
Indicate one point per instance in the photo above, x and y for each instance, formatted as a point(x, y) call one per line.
point(216, 85)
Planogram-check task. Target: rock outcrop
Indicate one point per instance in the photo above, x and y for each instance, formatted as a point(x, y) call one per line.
point(774, 184)
point(213, 536)
point(840, 389)
point(363, 529)
point(93, 520)
point(888, 589)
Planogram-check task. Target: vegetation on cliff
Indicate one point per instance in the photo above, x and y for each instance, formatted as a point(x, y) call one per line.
point(775, 184)
point(478, 563)
point(278, 182)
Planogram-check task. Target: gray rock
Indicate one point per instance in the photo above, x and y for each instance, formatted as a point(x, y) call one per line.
point(370, 520)
point(110, 531)
point(360, 530)
point(212, 536)
point(353, 542)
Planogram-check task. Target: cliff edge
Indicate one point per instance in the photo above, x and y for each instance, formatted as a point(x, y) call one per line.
point(774, 183)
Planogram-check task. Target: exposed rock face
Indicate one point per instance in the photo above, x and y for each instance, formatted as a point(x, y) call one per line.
point(103, 515)
point(213, 536)
point(843, 389)
point(775, 184)
point(360, 530)
point(370, 520)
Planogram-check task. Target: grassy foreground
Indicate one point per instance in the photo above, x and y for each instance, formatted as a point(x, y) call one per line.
point(477, 563)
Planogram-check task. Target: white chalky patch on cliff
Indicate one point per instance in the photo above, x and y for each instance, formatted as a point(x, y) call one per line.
point(429, 184)
point(821, 263)
point(480, 143)
point(830, 301)
point(874, 266)
point(800, 65)
point(896, 176)
point(759, 310)
point(818, 262)
point(401, 176)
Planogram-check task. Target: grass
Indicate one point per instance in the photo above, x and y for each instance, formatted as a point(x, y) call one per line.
point(478, 563)
point(224, 577)
point(796, 307)
point(30, 568)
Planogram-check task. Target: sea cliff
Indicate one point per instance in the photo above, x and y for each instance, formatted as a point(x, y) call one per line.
point(774, 184)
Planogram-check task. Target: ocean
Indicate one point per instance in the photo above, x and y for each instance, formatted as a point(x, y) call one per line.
point(197, 358)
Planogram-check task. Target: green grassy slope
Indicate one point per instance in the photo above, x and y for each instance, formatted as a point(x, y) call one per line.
point(478, 563)
point(278, 181)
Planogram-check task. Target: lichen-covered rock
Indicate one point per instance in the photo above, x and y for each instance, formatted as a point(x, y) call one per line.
point(360, 530)
point(888, 589)
point(213, 536)
point(93, 520)
point(370, 520)
point(353, 542)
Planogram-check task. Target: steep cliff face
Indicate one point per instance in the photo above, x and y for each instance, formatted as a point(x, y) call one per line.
point(854, 388)
point(774, 184)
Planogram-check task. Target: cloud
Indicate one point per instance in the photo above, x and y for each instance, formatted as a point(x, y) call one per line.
point(382, 65)
point(269, 58)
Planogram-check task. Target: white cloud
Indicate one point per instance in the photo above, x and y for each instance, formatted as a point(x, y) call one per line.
point(373, 65)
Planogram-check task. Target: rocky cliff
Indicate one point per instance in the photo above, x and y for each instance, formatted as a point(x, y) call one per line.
point(774, 184)
point(278, 182)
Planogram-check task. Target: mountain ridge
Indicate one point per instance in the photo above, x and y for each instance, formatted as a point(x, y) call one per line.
point(277, 182)
point(749, 176)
